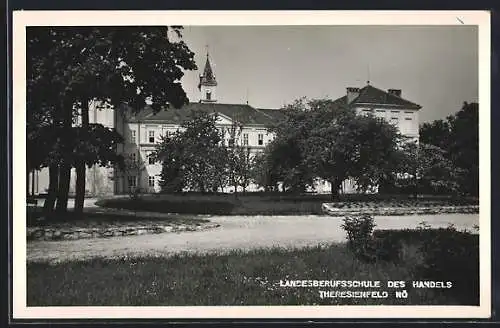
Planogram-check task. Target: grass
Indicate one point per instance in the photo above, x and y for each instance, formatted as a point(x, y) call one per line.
point(234, 278)
point(266, 203)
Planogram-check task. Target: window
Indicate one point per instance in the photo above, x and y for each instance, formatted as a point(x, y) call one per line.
point(408, 118)
point(394, 111)
point(209, 95)
point(132, 136)
point(132, 182)
point(151, 137)
point(231, 142)
point(151, 159)
point(380, 111)
point(132, 157)
point(245, 139)
point(260, 139)
point(394, 120)
point(151, 181)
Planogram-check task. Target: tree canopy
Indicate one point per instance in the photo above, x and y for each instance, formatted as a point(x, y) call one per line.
point(69, 67)
point(321, 139)
point(194, 157)
point(458, 137)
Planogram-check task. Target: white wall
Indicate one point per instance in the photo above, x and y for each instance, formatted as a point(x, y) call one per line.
point(406, 120)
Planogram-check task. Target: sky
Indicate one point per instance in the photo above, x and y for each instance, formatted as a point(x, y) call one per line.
point(434, 66)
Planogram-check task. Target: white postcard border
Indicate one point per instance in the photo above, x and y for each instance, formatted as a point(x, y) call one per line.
point(22, 19)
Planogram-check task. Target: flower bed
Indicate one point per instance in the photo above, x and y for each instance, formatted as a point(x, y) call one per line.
point(65, 232)
point(343, 209)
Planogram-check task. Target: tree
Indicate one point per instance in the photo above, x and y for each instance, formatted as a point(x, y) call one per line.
point(325, 140)
point(240, 167)
point(110, 65)
point(264, 171)
point(435, 133)
point(425, 169)
point(286, 153)
point(194, 158)
point(464, 146)
point(343, 145)
point(239, 159)
point(169, 152)
point(458, 136)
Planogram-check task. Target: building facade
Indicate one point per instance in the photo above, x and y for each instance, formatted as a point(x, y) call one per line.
point(143, 131)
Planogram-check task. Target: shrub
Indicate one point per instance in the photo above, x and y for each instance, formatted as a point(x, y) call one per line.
point(451, 255)
point(369, 245)
point(359, 229)
point(359, 237)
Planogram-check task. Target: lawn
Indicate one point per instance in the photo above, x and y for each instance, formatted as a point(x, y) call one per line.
point(249, 278)
point(267, 203)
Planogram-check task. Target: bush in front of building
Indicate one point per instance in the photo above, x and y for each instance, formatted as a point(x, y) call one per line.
point(445, 254)
point(451, 255)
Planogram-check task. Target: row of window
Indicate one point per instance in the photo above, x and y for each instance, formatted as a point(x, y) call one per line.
point(151, 137)
point(151, 160)
point(393, 119)
point(132, 181)
point(383, 111)
point(260, 139)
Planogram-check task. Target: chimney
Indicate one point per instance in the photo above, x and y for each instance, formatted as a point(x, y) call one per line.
point(396, 92)
point(352, 93)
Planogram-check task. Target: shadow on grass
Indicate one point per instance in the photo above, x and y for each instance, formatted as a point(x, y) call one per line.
point(35, 217)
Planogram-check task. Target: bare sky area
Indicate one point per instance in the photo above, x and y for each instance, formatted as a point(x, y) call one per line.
point(434, 66)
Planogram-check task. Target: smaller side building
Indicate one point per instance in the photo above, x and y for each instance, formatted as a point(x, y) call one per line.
point(389, 105)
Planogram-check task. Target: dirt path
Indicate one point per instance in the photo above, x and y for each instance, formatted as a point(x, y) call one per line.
point(234, 232)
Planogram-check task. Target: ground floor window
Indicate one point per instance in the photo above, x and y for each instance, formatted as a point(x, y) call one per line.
point(261, 139)
point(151, 181)
point(132, 181)
point(151, 159)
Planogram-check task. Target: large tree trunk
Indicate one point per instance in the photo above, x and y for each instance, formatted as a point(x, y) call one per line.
point(80, 188)
point(62, 195)
point(81, 167)
point(65, 168)
point(48, 206)
point(335, 185)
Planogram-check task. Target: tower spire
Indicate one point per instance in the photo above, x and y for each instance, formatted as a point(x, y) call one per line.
point(208, 82)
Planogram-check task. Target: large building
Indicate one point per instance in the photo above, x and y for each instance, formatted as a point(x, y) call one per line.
point(142, 131)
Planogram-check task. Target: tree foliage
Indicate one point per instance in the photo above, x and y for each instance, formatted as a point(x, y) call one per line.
point(425, 169)
point(458, 137)
point(195, 157)
point(321, 139)
point(69, 67)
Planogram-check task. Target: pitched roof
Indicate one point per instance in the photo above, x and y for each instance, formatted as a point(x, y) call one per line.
point(371, 95)
point(275, 115)
point(242, 113)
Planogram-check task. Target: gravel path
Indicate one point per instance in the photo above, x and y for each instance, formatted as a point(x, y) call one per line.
point(235, 232)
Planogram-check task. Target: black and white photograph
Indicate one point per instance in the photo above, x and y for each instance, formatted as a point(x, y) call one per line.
point(244, 165)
